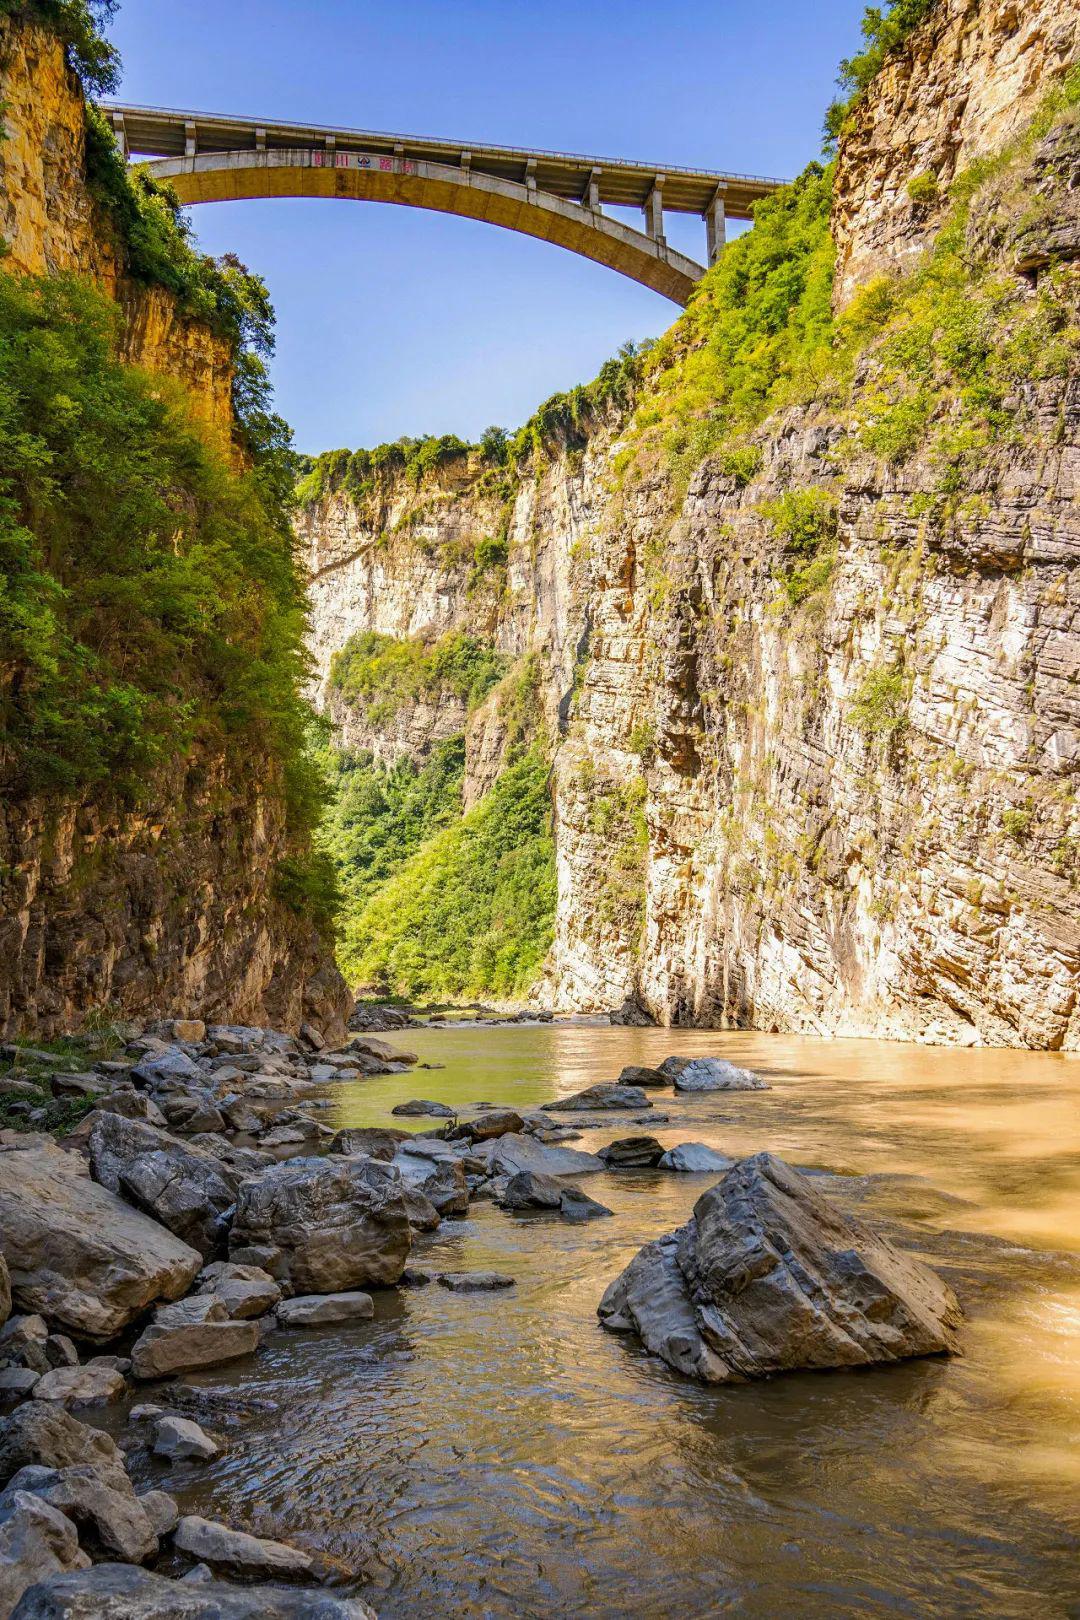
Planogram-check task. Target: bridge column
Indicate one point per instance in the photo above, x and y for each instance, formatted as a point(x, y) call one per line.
point(120, 133)
point(191, 140)
point(716, 226)
point(654, 210)
point(530, 177)
point(260, 140)
point(590, 197)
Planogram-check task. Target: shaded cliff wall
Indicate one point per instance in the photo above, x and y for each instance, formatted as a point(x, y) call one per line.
point(172, 907)
point(841, 801)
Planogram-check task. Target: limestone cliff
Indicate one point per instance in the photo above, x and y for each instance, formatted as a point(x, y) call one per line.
point(842, 802)
point(173, 906)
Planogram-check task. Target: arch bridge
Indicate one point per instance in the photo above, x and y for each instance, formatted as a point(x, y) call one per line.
point(556, 196)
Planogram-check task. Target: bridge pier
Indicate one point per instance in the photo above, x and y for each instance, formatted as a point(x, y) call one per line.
point(716, 226)
point(654, 210)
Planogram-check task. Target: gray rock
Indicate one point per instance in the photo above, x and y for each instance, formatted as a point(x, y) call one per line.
point(376, 1142)
point(110, 1519)
point(606, 1095)
point(324, 1225)
point(162, 1350)
point(191, 1111)
point(233, 1552)
point(578, 1206)
point(16, 1383)
point(436, 1110)
point(77, 1253)
point(715, 1074)
point(633, 1153)
point(489, 1124)
point(132, 1104)
point(635, 1074)
point(24, 1342)
point(60, 1352)
point(313, 1310)
point(531, 1190)
point(80, 1386)
point(45, 1436)
point(78, 1085)
point(441, 1182)
point(672, 1066)
point(509, 1154)
point(172, 1064)
point(694, 1158)
point(244, 1291)
point(161, 1510)
point(36, 1541)
point(768, 1276)
point(475, 1282)
point(120, 1592)
point(176, 1438)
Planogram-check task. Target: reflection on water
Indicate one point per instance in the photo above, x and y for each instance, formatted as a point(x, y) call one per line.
point(501, 1455)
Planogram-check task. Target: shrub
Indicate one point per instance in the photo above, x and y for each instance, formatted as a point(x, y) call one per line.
point(883, 31)
point(923, 188)
point(879, 708)
point(78, 24)
point(384, 673)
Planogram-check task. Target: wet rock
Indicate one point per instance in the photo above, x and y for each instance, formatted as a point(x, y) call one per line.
point(672, 1066)
point(180, 1186)
point(77, 1253)
point(715, 1074)
point(80, 1386)
point(416, 1277)
point(417, 1106)
point(233, 1552)
point(161, 1509)
point(578, 1206)
point(492, 1123)
point(606, 1095)
point(442, 1182)
point(633, 1153)
point(315, 1310)
point(166, 1348)
point(16, 1383)
point(475, 1282)
point(45, 1436)
point(635, 1074)
point(530, 1189)
point(177, 1438)
point(245, 1291)
point(324, 1226)
point(377, 1142)
point(694, 1158)
point(122, 1592)
point(110, 1519)
point(509, 1154)
point(768, 1276)
point(36, 1541)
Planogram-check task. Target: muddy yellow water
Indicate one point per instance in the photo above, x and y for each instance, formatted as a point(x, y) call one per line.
point(501, 1455)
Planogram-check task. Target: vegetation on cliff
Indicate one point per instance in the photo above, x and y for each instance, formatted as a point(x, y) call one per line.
point(471, 911)
point(78, 25)
point(382, 674)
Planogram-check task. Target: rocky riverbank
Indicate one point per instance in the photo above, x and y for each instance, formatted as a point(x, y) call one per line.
point(200, 1204)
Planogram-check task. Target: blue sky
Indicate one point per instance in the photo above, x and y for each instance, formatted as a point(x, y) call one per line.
point(392, 320)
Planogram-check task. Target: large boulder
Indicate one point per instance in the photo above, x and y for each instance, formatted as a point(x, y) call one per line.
point(187, 1190)
point(316, 1310)
point(636, 1074)
point(716, 1074)
point(442, 1181)
point(244, 1291)
point(124, 1592)
point(76, 1252)
point(45, 1436)
point(489, 1124)
point(767, 1276)
point(607, 1095)
point(110, 1519)
point(234, 1552)
point(506, 1155)
point(528, 1190)
point(324, 1226)
point(377, 1142)
point(195, 1333)
point(36, 1541)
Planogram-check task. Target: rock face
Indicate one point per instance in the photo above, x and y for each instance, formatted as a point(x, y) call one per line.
point(172, 904)
point(767, 1276)
point(969, 79)
point(324, 1226)
point(79, 1254)
point(116, 1592)
point(780, 867)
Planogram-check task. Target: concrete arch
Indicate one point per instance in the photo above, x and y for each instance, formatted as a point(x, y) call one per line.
point(418, 183)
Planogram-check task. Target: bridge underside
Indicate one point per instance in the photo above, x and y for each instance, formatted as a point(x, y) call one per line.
point(233, 176)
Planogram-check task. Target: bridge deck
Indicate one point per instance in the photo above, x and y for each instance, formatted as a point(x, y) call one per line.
point(164, 132)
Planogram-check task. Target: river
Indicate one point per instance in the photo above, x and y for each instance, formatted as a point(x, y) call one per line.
point(501, 1455)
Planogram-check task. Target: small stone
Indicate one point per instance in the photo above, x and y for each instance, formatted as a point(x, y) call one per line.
point(416, 1277)
point(435, 1110)
point(313, 1310)
point(574, 1205)
point(189, 1030)
point(635, 1074)
point(161, 1510)
point(475, 1282)
point(177, 1438)
point(235, 1553)
point(60, 1351)
point(607, 1095)
point(694, 1158)
point(633, 1153)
